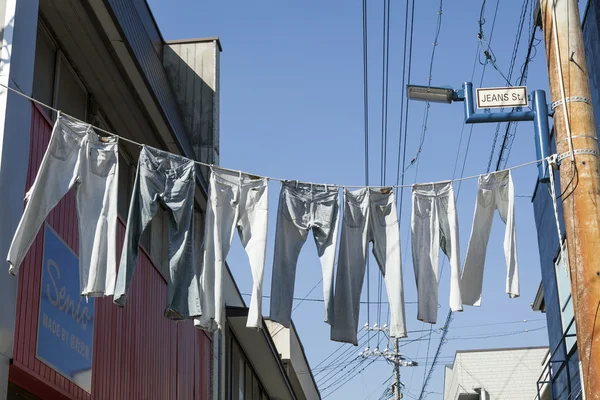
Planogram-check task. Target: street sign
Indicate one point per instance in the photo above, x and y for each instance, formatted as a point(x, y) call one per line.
point(515, 96)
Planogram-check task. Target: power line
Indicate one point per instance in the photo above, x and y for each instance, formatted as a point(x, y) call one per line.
point(446, 326)
point(384, 124)
point(508, 138)
point(366, 118)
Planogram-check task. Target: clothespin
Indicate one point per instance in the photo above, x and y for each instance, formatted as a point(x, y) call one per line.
point(385, 190)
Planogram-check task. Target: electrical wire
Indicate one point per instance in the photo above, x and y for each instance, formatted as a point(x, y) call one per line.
point(366, 122)
point(519, 34)
point(507, 140)
point(446, 326)
point(384, 126)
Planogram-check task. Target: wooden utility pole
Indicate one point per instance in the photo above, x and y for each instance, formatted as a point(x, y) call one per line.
point(575, 130)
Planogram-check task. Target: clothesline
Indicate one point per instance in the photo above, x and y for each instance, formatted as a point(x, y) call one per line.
point(260, 176)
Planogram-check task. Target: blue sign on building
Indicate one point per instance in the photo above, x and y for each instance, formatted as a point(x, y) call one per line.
point(66, 321)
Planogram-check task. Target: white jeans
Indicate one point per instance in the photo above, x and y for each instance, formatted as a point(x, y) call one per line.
point(434, 224)
point(496, 192)
point(235, 201)
point(303, 207)
point(369, 216)
point(76, 157)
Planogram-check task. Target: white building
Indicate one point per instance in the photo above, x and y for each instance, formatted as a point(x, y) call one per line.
point(494, 374)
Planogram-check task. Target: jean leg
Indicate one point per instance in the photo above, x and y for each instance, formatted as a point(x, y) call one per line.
point(221, 215)
point(425, 255)
point(252, 227)
point(386, 249)
point(143, 206)
point(290, 236)
point(505, 201)
point(448, 222)
point(472, 274)
point(325, 233)
point(97, 214)
point(183, 293)
point(56, 175)
point(350, 274)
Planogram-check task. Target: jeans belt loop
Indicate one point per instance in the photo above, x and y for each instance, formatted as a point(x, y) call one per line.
point(240, 176)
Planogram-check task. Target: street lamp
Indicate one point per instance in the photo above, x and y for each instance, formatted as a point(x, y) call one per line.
point(431, 93)
point(538, 114)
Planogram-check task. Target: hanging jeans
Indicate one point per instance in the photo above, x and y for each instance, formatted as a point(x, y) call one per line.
point(76, 157)
point(235, 201)
point(303, 207)
point(434, 224)
point(496, 192)
point(171, 180)
point(369, 216)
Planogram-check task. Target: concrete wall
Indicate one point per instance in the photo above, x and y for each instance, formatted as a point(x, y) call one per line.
point(193, 70)
point(19, 27)
point(292, 353)
point(504, 373)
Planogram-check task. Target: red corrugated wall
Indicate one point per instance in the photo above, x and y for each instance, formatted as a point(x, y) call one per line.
point(137, 353)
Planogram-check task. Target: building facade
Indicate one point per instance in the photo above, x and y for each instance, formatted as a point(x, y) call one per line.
point(494, 374)
point(105, 62)
point(562, 372)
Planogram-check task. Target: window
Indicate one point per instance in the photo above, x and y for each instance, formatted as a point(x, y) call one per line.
point(563, 282)
point(70, 95)
point(44, 68)
point(243, 382)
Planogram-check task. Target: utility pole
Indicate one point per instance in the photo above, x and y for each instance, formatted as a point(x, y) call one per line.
point(394, 357)
point(396, 373)
point(579, 175)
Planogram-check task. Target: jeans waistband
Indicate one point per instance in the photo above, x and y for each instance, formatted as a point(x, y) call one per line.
point(236, 179)
point(494, 179)
point(310, 191)
point(155, 160)
point(73, 127)
point(437, 189)
point(108, 143)
point(374, 195)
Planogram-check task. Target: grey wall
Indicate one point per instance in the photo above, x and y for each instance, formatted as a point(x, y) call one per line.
point(193, 70)
point(19, 27)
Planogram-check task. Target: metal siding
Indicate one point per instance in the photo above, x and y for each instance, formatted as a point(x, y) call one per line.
point(129, 22)
point(137, 352)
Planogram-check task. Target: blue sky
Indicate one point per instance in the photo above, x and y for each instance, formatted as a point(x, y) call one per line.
point(292, 107)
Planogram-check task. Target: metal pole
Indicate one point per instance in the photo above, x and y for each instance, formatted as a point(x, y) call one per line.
point(579, 175)
point(396, 371)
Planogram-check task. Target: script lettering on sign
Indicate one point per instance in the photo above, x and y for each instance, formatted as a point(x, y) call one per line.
point(66, 320)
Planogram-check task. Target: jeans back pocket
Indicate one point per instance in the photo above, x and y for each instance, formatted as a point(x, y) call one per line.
point(102, 162)
point(63, 143)
point(354, 215)
point(422, 207)
point(386, 214)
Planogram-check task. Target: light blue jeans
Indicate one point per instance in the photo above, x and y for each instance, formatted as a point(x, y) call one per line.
point(370, 215)
point(236, 202)
point(434, 225)
point(171, 180)
point(77, 158)
point(303, 207)
point(496, 192)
